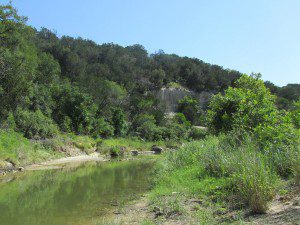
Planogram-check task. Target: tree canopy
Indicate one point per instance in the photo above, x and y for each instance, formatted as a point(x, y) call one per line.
point(79, 85)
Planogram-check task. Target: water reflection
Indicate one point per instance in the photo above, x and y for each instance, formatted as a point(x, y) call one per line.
point(73, 195)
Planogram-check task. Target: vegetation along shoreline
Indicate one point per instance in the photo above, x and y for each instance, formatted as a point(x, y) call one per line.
point(228, 142)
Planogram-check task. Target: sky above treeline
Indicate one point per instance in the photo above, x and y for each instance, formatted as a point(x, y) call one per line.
point(261, 36)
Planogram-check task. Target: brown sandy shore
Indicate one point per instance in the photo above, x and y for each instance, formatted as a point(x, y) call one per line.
point(58, 163)
point(55, 163)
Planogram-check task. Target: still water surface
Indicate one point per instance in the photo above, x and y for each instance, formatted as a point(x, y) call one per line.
point(71, 195)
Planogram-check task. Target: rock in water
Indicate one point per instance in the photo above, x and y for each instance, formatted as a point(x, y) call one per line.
point(156, 149)
point(134, 152)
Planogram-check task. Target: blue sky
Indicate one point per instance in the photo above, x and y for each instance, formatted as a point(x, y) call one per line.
point(246, 35)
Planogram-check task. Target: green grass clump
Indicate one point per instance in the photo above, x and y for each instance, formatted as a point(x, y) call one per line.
point(84, 143)
point(255, 182)
point(131, 143)
point(147, 222)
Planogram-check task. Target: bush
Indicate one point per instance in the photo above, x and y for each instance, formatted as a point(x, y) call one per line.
point(198, 133)
point(249, 108)
point(253, 176)
point(140, 119)
point(176, 128)
point(116, 151)
point(181, 119)
point(280, 144)
point(102, 148)
point(150, 131)
point(84, 143)
point(34, 124)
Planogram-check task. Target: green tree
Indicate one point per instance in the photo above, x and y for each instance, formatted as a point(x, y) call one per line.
point(102, 128)
point(15, 80)
point(34, 124)
point(119, 122)
point(191, 109)
point(245, 106)
point(11, 24)
point(72, 103)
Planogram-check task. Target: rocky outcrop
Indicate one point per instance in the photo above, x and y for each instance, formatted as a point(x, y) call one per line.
point(170, 96)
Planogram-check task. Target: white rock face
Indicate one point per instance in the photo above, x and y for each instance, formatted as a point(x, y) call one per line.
point(170, 97)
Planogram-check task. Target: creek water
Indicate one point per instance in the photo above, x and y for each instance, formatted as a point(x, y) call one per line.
point(71, 195)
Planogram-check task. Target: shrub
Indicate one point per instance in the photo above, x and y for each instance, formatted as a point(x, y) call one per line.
point(150, 131)
point(34, 124)
point(279, 143)
point(185, 156)
point(116, 151)
point(249, 108)
point(198, 133)
point(102, 148)
point(181, 119)
point(176, 128)
point(140, 119)
point(296, 166)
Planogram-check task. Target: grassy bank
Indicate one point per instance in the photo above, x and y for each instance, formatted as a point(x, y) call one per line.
point(218, 180)
point(16, 150)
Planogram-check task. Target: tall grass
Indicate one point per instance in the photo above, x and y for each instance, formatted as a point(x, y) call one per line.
point(255, 182)
point(18, 150)
point(237, 167)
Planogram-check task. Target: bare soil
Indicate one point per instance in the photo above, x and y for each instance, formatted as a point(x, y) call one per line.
point(283, 210)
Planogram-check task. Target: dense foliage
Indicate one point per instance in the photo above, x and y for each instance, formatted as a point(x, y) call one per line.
point(75, 85)
point(52, 85)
